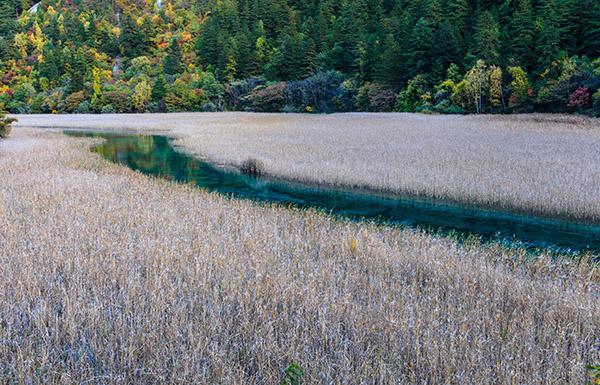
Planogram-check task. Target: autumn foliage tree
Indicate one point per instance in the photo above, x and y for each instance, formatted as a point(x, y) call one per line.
point(147, 55)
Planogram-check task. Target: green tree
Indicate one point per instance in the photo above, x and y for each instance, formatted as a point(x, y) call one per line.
point(548, 33)
point(133, 41)
point(347, 31)
point(142, 94)
point(519, 86)
point(486, 38)
point(390, 66)
point(520, 35)
point(591, 33)
point(457, 14)
point(420, 48)
point(51, 64)
point(172, 63)
point(159, 89)
point(445, 50)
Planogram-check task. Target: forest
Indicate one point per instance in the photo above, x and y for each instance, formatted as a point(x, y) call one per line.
point(431, 56)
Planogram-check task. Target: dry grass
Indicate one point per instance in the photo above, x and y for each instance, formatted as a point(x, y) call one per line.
point(545, 164)
point(108, 276)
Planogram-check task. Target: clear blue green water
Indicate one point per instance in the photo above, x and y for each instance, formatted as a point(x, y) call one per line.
point(154, 155)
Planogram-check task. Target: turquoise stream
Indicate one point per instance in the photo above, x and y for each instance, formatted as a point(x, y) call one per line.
point(154, 155)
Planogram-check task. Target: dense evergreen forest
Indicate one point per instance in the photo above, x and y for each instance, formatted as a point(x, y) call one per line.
point(449, 56)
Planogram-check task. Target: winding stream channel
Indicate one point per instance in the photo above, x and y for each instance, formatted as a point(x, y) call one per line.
point(154, 155)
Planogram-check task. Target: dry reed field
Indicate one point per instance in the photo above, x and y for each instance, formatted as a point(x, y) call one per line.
point(108, 276)
point(542, 164)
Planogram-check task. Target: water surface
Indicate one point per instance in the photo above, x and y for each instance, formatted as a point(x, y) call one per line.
point(154, 155)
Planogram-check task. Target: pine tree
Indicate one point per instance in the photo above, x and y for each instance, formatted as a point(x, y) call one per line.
point(520, 35)
point(172, 64)
point(347, 33)
point(370, 51)
point(445, 50)
point(7, 19)
point(419, 50)
point(548, 34)
point(591, 34)
point(457, 13)
point(210, 44)
point(486, 39)
point(243, 54)
point(289, 61)
point(132, 40)
point(51, 66)
point(158, 89)
point(75, 68)
point(390, 66)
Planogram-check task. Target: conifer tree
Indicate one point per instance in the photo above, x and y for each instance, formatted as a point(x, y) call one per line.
point(420, 48)
point(520, 34)
point(347, 32)
point(548, 35)
point(486, 39)
point(172, 63)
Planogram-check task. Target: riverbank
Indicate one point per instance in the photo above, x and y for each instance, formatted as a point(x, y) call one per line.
point(155, 155)
point(113, 276)
point(538, 164)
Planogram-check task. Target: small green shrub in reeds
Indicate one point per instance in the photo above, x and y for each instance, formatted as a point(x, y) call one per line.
point(252, 167)
point(5, 125)
point(292, 374)
point(594, 373)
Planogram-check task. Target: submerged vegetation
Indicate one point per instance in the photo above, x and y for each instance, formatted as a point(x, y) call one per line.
point(449, 56)
point(110, 276)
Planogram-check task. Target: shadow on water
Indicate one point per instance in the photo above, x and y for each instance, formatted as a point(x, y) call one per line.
point(154, 155)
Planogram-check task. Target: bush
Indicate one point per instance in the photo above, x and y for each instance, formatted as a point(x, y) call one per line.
point(73, 101)
point(345, 95)
point(315, 93)
point(447, 107)
point(107, 109)
point(564, 83)
point(118, 99)
point(36, 104)
point(53, 101)
point(154, 107)
point(211, 87)
point(182, 96)
point(268, 99)
point(5, 125)
point(252, 167)
point(22, 97)
point(211, 107)
point(411, 97)
point(580, 98)
point(375, 97)
point(236, 92)
point(83, 108)
point(596, 103)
